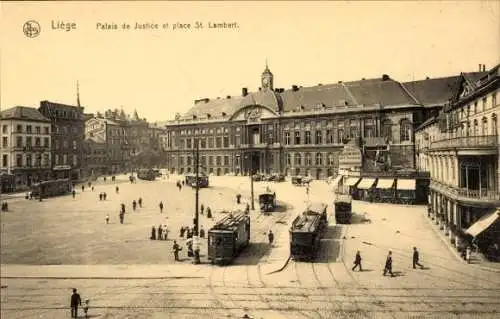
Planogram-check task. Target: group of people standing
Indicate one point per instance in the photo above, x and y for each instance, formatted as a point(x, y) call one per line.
point(162, 232)
point(388, 262)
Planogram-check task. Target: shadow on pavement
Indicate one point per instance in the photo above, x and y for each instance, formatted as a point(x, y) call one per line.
point(333, 232)
point(360, 218)
point(252, 254)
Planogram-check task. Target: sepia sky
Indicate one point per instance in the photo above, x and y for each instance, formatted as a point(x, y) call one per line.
point(161, 72)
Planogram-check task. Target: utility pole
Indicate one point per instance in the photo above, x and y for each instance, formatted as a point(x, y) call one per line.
point(251, 180)
point(197, 189)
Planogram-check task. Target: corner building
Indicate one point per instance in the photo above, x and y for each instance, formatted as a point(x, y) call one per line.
point(302, 130)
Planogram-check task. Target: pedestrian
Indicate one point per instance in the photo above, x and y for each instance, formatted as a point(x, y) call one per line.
point(182, 183)
point(270, 236)
point(238, 199)
point(75, 302)
point(388, 264)
point(357, 261)
point(86, 308)
point(189, 234)
point(104, 178)
point(202, 232)
point(104, 195)
point(153, 233)
point(83, 188)
point(107, 219)
point(92, 188)
point(160, 233)
point(176, 249)
point(181, 232)
point(161, 207)
point(117, 189)
point(467, 254)
point(140, 202)
point(134, 204)
point(73, 192)
point(416, 258)
point(100, 196)
point(165, 232)
point(189, 244)
point(122, 207)
point(202, 208)
point(209, 212)
point(89, 184)
point(122, 216)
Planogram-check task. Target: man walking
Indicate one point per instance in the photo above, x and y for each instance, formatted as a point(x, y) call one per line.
point(176, 249)
point(388, 264)
point(270, 237)
point(75, 302)
point(161, 207)
point(415, 259)
point(357, 262)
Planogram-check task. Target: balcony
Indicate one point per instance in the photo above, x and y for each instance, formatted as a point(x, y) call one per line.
point(480, 142)
point(467, 195)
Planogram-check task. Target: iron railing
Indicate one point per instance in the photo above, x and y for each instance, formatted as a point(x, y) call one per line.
point(467, 141)
point(460, 192)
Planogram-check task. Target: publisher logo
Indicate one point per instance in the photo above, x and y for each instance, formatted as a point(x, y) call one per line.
point(31, 29)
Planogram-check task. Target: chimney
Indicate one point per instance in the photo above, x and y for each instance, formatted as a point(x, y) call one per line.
point(484, 67)
point(480, 67)
point(260, 89)
point(385, 77)
point(244, 92)
point(339, 82)
point(228, 97)
point(427, 78)
point(209, 116)
point(295, 88)
point(320, 84)
point(194, 117)
point(223, 114)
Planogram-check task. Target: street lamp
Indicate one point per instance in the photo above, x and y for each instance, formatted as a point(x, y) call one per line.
point(249, 157)
point(197, 188)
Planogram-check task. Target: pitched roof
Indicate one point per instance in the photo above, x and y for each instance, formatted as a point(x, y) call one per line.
point(431, 92)
point(24, 113)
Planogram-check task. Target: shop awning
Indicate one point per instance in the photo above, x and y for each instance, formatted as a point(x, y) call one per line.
point(351, 181)
point(336, 180)
point(406, 184)
point(366, 183)
point(385, 183)
point(482, 224)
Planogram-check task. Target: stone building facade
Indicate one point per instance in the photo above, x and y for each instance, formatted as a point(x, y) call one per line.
point(67, 138)
point(460, 149)
point(301, 131)
point(25, 146)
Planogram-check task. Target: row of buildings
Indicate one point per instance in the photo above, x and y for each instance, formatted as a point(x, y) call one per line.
point(61, 141)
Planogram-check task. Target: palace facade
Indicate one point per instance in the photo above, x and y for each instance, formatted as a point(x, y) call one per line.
point(302, 130)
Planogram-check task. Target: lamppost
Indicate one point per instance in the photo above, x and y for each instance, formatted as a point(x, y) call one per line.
point(250, 174)
point(197, 188)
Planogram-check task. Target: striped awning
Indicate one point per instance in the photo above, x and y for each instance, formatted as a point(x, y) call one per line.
point(483, 224)
point(336, 180)
point(351, 181)
point(366, 183)
point(406, 184)
point(385, 183)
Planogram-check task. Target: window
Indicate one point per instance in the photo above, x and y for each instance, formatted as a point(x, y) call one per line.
point(476, 128)
point(340, 135)
point(319, 159)
point(329, 137)
point(369, 128)
point(405, 130)
point(19, 160)
point(308, 159)
point(210, 160)
point(237, 140)
point(218, 142)
point(484, 127)
point(5, 141)
point(4, 128)
point(289, 159)
point(226, 160)
point(65, 144)
point(38, 160)
point(387, 129)
point(475, 108)
point(307, 140)
point(210, 142)
point(298, 159)
point(319, 137)
point(28, 129)
point(74, 145)
point(5, 160)
point(353, 129)
point(218, 161)
point(330, 159)
point(189, 160)
point(29, 161)
point(494, 128)
point(19, 129)
point(37, 129)
point(65, 159)
point(28, 141)
point(203, 143)
point(287, 138)
point(189, 143)
point(37, 141)
point(484, 104)
point(226, 141)
point(494, 100)
point(297, 138)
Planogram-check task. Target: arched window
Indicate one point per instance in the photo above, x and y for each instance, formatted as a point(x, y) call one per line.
point(405, 130)
point(298, 159)
point(319, 159)
point(494, 127)
point(330, 159)
point(485, 126)
point(387, 129)
point(476, 128)
point(467, 132)
point(289, 159)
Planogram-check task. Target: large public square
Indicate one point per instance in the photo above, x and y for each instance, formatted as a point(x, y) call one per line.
point(52, 246)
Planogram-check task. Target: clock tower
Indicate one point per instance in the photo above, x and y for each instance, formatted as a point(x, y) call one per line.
point(267, 79)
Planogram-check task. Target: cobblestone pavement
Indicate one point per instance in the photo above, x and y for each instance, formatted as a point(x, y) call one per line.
point(327, 288)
